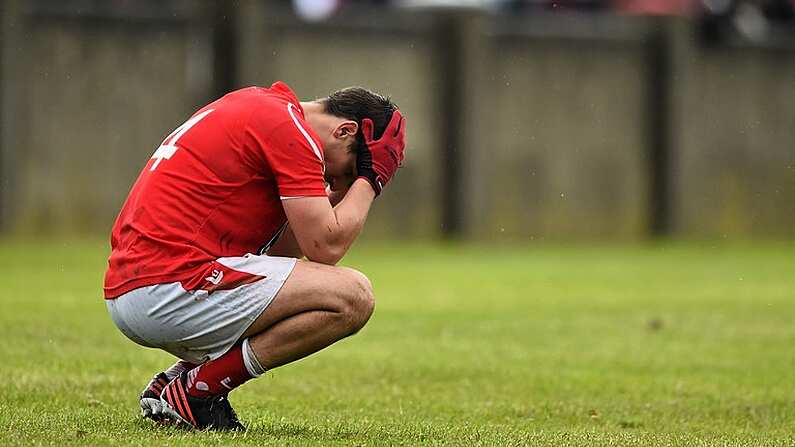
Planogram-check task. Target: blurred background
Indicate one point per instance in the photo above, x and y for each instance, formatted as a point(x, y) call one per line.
point(528, 120)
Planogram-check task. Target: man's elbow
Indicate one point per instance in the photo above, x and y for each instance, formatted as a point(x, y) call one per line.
point(328, 254)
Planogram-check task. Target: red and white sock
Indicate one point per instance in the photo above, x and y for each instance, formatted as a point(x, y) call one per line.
point(223, 374)
point(177, 369)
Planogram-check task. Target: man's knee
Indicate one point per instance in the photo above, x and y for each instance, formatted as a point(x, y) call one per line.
point(359, 299)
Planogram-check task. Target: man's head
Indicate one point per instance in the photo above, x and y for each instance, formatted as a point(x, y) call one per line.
point(337, 120)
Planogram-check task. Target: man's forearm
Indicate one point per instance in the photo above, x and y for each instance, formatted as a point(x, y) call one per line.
point(351, 214)
point(287, 245)
point(324, 233)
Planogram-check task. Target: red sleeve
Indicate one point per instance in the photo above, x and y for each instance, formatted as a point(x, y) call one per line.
point(295, 158)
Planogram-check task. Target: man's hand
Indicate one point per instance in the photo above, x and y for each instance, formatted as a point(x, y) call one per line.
point(377, 160)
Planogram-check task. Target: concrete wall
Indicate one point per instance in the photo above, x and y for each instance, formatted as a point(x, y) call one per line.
point(93, 100)
point(568, 150)
point(734, 158)
point(554, 129)
point(317, 62)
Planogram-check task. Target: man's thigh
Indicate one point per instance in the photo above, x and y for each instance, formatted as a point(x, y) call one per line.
point(201, 324)
point(314, 286)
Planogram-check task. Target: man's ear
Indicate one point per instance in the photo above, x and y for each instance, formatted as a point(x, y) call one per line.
point(346, 128)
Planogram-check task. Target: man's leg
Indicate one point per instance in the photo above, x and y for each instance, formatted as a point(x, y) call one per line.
point(316, 306)
point(177, 369)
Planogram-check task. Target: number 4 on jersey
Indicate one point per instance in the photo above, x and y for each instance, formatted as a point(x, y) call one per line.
point(169, 145)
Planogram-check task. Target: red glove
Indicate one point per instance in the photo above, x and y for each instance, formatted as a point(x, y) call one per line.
point(377, 160)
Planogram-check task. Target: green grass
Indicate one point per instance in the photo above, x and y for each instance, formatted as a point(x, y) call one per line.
point(668, 344)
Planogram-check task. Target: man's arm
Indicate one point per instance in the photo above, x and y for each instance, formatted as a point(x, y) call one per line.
point(324, 234)
point(287, 245)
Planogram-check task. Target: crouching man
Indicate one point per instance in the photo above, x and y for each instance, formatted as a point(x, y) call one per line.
point(207, 251)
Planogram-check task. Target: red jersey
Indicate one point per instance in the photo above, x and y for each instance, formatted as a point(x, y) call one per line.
point(213, 189)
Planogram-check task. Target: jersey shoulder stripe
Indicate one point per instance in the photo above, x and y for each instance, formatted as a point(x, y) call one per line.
point(303, 131)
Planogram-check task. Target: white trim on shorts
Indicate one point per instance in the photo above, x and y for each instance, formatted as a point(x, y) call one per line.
point(196, 325)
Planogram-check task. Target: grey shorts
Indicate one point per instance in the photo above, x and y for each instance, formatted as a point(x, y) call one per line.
point(198, 325)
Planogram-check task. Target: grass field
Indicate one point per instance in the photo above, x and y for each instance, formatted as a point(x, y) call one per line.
point(534, 345)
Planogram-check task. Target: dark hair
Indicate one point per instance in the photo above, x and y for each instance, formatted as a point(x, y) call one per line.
point(358, 103)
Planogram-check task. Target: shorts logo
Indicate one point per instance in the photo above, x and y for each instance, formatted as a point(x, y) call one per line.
point(219, 277)
point(216, 277)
